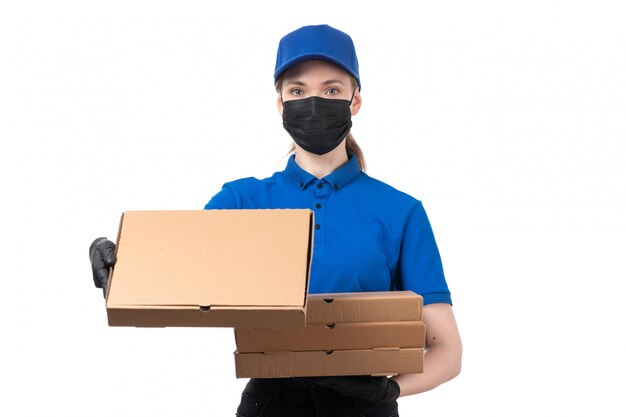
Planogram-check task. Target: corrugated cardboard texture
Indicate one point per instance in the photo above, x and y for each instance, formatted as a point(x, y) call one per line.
point(363, 307)
point(176, 268)
point(365, 333)
point(406, 334)
point(319, 363)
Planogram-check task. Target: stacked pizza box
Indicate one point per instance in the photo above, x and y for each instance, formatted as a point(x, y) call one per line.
point(364, 333)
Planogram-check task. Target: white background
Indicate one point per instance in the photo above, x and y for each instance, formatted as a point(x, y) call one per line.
point(505, 118)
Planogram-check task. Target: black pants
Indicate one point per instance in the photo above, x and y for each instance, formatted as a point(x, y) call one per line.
point(289, 397)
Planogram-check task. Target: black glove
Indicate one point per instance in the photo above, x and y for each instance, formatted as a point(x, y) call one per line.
point(376, 389)
point(102, 257)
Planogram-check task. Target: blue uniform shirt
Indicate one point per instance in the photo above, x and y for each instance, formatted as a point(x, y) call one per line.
point(368, 235)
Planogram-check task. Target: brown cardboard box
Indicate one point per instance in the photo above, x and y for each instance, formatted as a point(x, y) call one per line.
point(336, 341)
point(321, 363)
point(230, 268)
point(363, 307)
point(341, 336)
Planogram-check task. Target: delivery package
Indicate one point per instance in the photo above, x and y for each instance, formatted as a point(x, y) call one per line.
point(219, 268)
point(364, 307)
point(364, 333)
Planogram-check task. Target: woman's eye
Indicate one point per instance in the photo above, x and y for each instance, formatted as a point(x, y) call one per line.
point(297, 92)
point(332, 91)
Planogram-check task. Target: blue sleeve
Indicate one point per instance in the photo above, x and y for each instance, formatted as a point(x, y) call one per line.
point(226, 198)
point(419, 267)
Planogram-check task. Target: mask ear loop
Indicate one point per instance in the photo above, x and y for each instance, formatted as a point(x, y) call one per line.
point(353, 94)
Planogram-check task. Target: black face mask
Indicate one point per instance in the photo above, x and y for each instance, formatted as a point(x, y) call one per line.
point(317, 124)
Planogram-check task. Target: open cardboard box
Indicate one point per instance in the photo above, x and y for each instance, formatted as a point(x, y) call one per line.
point(223, 268)
point(346, 334)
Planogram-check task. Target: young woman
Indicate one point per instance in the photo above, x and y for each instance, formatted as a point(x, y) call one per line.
point(368, 235)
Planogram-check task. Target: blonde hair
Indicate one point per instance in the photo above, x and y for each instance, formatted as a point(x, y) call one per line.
point(352, 148)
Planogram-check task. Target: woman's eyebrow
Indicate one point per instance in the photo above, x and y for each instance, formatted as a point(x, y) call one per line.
point(327, 82)
point(332, 82)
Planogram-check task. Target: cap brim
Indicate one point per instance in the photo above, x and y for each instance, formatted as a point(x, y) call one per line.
point(313, 56)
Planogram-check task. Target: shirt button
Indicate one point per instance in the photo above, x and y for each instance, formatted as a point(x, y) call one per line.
point(301, 184)
point(317, 227)
point(320, 185)
point(336, 187)
point(318, 205)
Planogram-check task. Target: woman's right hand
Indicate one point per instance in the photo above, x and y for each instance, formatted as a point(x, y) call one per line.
point(102, 257)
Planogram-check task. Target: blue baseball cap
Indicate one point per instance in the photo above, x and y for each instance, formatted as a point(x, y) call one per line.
point(317, 42)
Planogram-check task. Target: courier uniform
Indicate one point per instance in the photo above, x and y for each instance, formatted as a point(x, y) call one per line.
point(368, 236)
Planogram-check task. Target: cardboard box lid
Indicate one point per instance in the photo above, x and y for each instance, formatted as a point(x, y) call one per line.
point(352, 307)
point(213, 258)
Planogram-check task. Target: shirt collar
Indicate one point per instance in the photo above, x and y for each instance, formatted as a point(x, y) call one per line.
point(337, 179)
